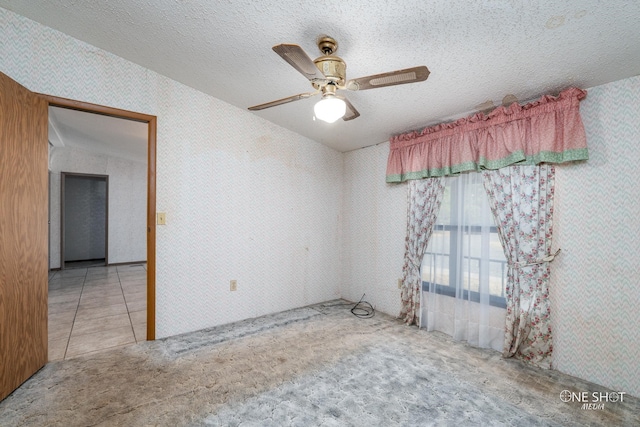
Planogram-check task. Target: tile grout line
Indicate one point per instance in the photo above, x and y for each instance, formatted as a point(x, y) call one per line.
point(126, 306)
point(64, 357)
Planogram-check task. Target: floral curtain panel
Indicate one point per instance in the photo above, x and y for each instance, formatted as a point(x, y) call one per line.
point(423, 203)
point(549, 130)
point(521, 200)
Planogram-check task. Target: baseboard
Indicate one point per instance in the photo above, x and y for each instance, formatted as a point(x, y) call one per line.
point(115, 264)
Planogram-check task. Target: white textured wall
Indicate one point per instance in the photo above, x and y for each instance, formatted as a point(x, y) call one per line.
point(127, 201)
point(596, 280)
point(245, 199)
point(374, 229)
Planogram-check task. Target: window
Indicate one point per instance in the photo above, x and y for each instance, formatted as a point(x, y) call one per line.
point(464, 258)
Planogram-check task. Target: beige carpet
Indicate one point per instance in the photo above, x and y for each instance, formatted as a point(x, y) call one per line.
point(314, 366)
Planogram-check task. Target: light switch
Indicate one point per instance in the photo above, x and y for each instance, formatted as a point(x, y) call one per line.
point(162, 218)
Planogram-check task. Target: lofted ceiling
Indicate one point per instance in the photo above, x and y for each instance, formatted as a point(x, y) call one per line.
point(478, 52)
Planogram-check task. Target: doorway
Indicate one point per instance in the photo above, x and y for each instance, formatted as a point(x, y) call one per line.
point(97, 301)
point(24, 227)
point(84, 212)
point(130, 273)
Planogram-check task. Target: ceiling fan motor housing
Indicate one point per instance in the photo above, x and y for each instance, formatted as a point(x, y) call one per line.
point(333, 67)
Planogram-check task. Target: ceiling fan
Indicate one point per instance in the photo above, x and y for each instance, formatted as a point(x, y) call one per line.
point(327, 75)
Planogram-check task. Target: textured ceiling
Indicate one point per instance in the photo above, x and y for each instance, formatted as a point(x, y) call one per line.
point(477, 51)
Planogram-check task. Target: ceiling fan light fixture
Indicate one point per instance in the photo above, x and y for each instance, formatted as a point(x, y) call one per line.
point(330, 108)
point(328, 74)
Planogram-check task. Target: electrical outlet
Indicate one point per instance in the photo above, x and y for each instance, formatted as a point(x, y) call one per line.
point(233, 285)
point(399, 283)
point(162, 218)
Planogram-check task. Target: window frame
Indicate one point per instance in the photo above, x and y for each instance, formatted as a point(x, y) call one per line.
point(451, 290)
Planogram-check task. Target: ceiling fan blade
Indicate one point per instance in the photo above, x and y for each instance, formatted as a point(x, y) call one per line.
point(298, 59)
point(398, 77)
point(351, 113)
point(283, 101)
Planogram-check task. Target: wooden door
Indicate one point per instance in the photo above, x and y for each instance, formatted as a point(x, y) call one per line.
point(23, 234)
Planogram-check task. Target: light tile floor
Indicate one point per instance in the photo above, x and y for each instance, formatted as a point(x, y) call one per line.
point(97, 308)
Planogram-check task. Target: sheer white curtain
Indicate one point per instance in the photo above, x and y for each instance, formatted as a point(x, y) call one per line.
point(464, 268)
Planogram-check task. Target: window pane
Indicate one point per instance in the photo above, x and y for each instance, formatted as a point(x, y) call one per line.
point(437, 258)
point(498, 266)
point(464, 251)
point(444, 216)
point(474, 203)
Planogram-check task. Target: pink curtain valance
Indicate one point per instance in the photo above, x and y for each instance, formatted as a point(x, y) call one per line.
point(549, 130)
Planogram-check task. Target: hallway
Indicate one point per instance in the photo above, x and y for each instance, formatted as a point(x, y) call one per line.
point(97, 308)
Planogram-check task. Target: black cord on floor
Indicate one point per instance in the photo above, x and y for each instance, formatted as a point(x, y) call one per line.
point(363, 309)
